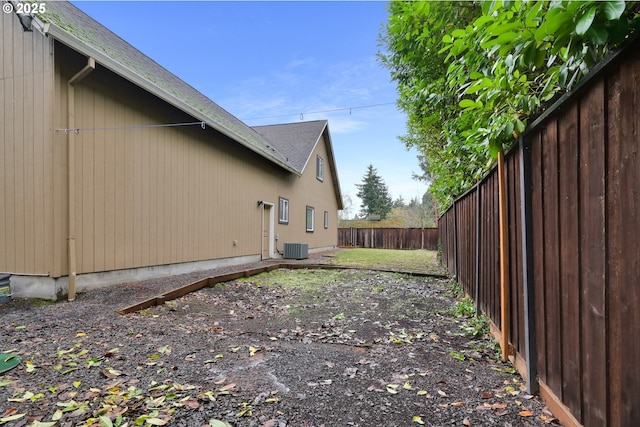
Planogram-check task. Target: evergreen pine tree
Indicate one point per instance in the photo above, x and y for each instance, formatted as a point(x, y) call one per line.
point(374, 195)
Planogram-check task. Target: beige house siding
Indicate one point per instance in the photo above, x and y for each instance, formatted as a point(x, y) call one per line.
point(150, 196)
point(26, 147)
point(145, 195)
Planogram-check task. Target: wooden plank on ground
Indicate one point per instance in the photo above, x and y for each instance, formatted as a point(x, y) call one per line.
point(183, 290)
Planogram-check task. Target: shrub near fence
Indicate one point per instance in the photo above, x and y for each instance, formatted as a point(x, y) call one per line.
point(573, 215)
point(389, 238)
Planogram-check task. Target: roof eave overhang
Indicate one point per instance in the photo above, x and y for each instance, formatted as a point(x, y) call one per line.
point(104, 60)
point(334, 169)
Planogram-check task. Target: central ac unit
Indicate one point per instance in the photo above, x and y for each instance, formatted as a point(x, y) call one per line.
point(296, 251)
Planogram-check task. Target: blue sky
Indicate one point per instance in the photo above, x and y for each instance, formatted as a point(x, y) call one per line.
point(277, 62)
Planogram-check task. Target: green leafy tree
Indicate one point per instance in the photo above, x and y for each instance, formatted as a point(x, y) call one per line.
point(519, 55)
point(374, 195)
point(416, 213)
point(470, 74)
point(413, 42)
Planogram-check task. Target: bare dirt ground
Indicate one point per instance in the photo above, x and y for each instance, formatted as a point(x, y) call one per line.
point(287, 348)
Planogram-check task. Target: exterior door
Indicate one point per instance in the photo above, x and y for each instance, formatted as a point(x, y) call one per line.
point(268, 218)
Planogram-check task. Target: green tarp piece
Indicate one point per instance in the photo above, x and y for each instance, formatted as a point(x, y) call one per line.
point(8, 361)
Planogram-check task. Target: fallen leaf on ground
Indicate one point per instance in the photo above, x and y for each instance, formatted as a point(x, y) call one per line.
point(10, 412)
point(392, 388)
point(228, 387)
point(11, 418)
point(418, 419)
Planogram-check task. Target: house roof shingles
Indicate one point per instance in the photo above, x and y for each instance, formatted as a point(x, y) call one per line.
point(71, 26)
point(297, 140)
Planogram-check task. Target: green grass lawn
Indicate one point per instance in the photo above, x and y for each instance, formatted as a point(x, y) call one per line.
point(405, 260)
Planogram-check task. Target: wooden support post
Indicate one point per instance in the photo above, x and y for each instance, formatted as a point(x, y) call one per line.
point(531, 356)
point(504, 285)
point(478, 244)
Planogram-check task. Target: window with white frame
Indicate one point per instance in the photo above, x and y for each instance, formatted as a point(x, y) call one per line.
point(326, 219)
point(320, 168)
point(283, 211)
point(310, 218)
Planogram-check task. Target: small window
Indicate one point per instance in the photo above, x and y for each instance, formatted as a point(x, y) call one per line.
point(326, 219)
point(283, 212)
point(310, 217)
point(320, 168)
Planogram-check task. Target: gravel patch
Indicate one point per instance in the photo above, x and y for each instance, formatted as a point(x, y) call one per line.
point(287, 348)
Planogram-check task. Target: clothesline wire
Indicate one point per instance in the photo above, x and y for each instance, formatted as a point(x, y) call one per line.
point(162, 125)
point(203, 124)
point(302, 114)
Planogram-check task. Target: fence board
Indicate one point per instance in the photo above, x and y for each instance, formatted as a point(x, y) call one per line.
point(467, 252)
point(623, 216)
point(551, 253)
point(593, 263)
point(569, 261)
point(538, 251)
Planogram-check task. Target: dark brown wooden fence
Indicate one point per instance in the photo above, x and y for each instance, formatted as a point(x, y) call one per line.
point(389, 238)
point(573, 197)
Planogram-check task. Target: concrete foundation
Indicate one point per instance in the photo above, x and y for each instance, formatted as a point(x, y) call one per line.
point(50, 288)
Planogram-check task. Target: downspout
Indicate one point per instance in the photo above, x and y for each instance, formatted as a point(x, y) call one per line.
point(71, 132)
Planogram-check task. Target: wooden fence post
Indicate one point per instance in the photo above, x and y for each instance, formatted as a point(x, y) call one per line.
point(504, 286)
point(478, 243)
point(531, 355)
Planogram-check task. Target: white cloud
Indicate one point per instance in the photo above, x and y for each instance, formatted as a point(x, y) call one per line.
point(340, 125)
point(296, 63)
